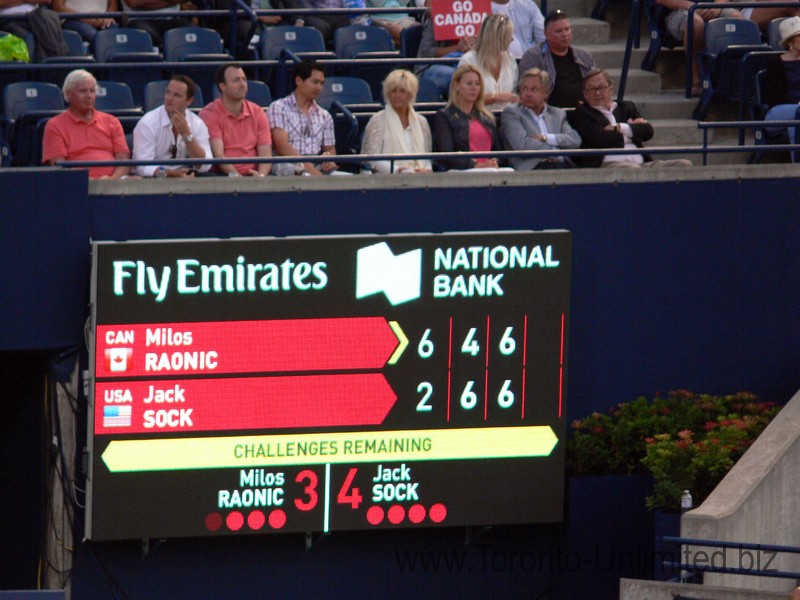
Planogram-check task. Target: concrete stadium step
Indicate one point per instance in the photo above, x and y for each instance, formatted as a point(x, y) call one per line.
point(665, 105)
point(586, 31)
point(638, 82)
point(610, 55)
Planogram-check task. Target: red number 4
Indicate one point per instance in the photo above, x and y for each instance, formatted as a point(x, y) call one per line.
point(348, 496)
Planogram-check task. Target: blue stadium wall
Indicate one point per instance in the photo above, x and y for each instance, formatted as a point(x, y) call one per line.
point(675, 285)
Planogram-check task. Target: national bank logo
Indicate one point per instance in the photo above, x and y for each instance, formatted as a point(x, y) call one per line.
point(379, 270)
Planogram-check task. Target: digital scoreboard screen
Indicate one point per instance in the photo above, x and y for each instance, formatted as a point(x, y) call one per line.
point(327, 383)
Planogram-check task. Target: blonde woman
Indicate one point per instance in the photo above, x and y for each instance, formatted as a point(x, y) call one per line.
point(398, 129)
point(465, 124)
point(491, 56)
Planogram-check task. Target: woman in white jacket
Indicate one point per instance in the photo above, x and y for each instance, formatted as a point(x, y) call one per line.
point(398, 129)
point(491, 56)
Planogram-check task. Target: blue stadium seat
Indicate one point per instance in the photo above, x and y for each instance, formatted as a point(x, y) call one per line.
point(125, 45)
point(24, 105)
point(304, 42)
point(365, 41)
point(774, 34)
point(257, 91)
point(345, 90)
point(726, 43)
point(154, 95)
point(196, 44)
point(656, 16)
point(115, 97)
point(410, 39)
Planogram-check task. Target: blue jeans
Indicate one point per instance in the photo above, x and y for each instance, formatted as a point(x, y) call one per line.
point(438, 78)
point(783, 112)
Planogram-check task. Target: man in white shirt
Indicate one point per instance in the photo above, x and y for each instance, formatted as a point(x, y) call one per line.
point(604, 123)
point(172, 131)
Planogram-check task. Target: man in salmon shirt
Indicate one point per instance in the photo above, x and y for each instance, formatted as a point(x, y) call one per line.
point(236, 126)
point(83, 133)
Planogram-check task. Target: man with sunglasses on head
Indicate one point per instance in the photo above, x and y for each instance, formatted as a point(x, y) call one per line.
point(565, 64)
point(604, 123)
point(172, 131)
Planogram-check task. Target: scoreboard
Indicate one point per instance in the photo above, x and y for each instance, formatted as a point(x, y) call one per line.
point(315, 384)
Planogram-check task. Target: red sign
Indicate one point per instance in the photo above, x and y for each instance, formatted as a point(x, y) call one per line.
point(186, 405)
point(224, 347)
point(454, 19)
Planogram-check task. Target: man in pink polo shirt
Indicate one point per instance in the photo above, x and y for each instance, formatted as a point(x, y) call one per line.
point(83, 133)
point(236, 126)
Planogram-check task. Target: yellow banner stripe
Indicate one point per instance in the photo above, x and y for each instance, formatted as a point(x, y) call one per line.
point(320, 448)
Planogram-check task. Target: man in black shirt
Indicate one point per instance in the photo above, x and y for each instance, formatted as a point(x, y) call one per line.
point(566, 65)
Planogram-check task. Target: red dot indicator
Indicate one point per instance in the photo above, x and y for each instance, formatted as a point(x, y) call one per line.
point(255, 520)
point(438, 512)
point(416, 513)
point(235, 520)
point(213, 521)
point(396, 514)
point(374, 515)
point(277, 519)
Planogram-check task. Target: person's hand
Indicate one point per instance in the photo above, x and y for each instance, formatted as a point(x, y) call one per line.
point(640, 120)
point(465, 44)
point(488, 163)
point(270, 20)
point(179, 122)
point(708, 13)
point(255, 173)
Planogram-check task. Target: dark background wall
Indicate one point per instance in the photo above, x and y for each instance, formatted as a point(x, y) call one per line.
point(692, 285)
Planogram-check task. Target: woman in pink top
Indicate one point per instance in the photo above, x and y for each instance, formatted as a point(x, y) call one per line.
point(465, 125)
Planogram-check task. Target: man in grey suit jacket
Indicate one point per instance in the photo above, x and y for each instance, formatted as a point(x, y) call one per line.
point(533, 125)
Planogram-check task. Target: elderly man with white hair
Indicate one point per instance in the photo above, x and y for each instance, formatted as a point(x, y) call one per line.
point(83, 133)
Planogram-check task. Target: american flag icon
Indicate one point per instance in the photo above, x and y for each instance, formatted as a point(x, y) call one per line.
point(117, 416)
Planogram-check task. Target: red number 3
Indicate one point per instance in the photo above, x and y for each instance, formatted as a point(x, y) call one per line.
point(310, 489)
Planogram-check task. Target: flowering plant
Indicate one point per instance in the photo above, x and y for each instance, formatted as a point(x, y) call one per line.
point(685, 440)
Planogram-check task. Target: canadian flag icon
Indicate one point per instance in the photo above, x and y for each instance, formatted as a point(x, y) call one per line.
point(118, 360)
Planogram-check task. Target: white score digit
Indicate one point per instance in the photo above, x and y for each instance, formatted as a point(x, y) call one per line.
point(470, 345)
point(469, 399)
point(507, 343)
point(505, 399)
point(425, 347)
point(426, 389)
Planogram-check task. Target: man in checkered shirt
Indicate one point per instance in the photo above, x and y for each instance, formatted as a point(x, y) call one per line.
point(300, 127)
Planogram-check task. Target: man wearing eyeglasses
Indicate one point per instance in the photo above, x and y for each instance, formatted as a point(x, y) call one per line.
point(565, 64)
point(172, 131)
point(603, 123)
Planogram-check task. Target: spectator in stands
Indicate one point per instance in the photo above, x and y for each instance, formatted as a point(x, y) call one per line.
point(326, 24)
point(172, 131)
point(83, 133)
point(300, 126)
point(398, 129)
point(18, 27)
point(156, 27)
point(236, 126)
point(603, 123)
point(763, 16)
point(243, 24)
point(676, 24)
point(528, 23)
point(394, 23)
point(533, 125)
point(87, 28)
point(465, 124)
point(781, 84)
point(438, 77)
point(491, 57)
point(566, 65)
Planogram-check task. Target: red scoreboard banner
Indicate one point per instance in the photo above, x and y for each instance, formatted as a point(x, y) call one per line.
point(322, 384)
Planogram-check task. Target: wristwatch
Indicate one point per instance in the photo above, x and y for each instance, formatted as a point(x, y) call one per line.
point(188, 138)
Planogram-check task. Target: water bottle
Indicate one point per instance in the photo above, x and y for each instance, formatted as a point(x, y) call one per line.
point(360, 19)
point(160, 172)
point(686, 501)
